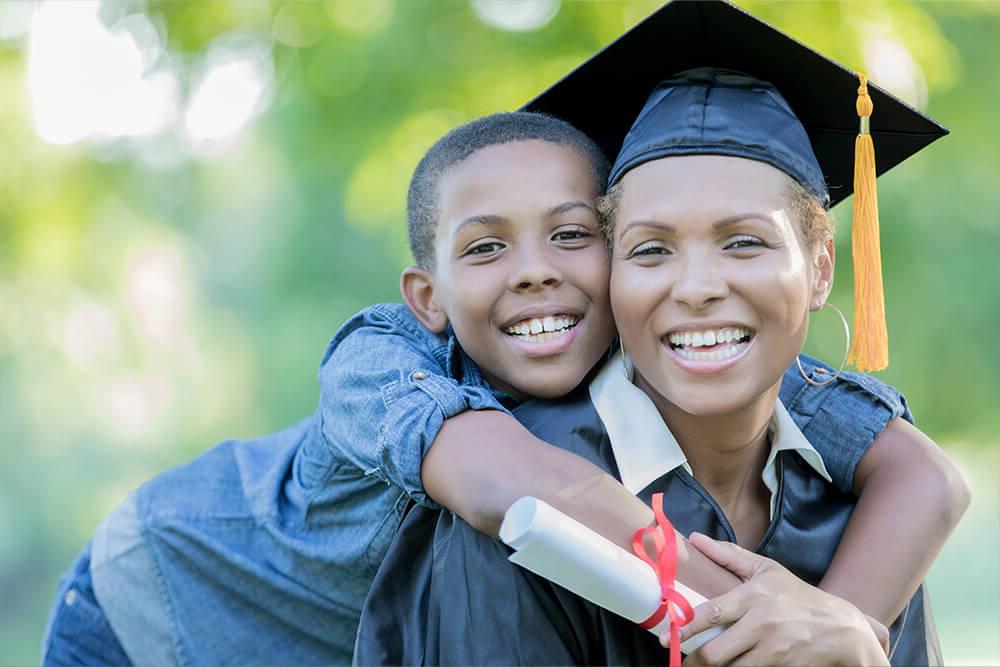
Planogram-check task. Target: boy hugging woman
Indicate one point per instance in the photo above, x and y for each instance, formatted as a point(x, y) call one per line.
point(502, 377)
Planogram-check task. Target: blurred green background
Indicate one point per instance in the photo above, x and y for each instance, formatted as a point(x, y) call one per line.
point(194, 195)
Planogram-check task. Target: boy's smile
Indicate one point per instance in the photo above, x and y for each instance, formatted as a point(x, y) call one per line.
point(522, 270)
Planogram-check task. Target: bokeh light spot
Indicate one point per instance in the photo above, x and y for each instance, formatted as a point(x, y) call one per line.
point(233, 88)
point(367, 17)
point(891, 66)
point(86, 80)
point(90, 334)
point(156, 285)
point(295, 26)
point(15, 20)
point(516, 15)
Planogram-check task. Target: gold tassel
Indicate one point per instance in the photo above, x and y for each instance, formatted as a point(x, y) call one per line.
point(870, 351)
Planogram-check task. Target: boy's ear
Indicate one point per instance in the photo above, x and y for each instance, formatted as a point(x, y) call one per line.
point(417, 287)
point(823, 264)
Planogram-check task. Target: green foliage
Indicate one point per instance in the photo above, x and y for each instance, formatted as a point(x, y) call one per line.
point(155, 302)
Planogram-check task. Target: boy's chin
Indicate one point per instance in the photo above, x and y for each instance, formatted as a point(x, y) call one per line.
point(549, 387)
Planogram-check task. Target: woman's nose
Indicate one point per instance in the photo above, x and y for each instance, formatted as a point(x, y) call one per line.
point(699, 283)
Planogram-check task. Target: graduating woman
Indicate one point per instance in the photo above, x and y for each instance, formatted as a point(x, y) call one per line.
point(721, 243)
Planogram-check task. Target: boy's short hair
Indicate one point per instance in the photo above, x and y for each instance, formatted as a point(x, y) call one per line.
point(466, 140)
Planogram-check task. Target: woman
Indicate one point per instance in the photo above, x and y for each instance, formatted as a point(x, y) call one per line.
point(719, 232)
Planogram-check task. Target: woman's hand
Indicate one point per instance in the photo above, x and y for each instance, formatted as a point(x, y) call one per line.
point(778, 619)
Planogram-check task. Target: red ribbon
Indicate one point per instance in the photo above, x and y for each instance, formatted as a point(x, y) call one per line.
point(665, 567)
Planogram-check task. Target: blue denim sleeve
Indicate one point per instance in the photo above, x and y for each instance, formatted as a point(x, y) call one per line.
point(843, 418)
point(385, 391)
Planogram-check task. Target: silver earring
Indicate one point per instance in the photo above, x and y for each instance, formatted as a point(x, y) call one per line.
point(621, 349)
point(847, 350)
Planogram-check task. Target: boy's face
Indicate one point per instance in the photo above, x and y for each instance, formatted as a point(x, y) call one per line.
point(521, 267)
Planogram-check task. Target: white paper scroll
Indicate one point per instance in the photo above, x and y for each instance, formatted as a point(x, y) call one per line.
point(564, 551)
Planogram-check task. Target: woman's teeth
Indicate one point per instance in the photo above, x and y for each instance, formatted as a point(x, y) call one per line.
point(542, 329)
point(718, 354)
point(726, 343)
point(709, 337)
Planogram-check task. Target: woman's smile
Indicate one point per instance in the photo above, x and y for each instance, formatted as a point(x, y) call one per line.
point(705, 349)
point(711, 293)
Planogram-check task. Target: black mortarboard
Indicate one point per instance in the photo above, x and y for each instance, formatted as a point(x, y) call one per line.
point(708, 78)
point(604, 95)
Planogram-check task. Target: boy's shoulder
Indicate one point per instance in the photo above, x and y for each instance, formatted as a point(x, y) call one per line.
point(845, 395)
point(390, 319)
point(397, 315)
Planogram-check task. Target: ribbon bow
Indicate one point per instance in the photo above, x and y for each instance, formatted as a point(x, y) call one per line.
point(665, 567)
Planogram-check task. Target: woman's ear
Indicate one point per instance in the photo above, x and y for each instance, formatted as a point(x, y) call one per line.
point(417, 287)
point(823, 264)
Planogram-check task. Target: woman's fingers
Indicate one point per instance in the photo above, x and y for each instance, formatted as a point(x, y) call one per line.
point(723, 610)
point(725, 648)
point(881, 633)
point(744, 564)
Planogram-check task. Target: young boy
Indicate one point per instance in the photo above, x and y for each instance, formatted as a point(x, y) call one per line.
point(262, 551)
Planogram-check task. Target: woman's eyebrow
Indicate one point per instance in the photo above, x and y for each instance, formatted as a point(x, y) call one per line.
point(731, 220)
point(569, 206)
point(651, 224)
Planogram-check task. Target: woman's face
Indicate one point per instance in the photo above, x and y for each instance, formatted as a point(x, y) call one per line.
point(711, 280)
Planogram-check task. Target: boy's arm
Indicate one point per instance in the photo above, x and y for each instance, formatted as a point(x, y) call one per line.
point(385, 390)
point(386, 397)
point(910, 498)
point(481, 462)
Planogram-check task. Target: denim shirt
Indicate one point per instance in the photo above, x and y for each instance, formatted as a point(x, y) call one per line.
point(262, 551)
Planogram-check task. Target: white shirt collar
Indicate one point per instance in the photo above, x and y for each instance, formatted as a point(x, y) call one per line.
point(645, 449)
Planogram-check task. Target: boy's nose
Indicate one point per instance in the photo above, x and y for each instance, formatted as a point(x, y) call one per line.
point(535, 271)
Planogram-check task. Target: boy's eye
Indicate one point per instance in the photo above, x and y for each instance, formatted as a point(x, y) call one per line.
point(744, 241)
point(484, 248)
point(571, 235)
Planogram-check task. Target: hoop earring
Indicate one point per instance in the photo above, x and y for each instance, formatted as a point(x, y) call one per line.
point(621, 349)
point(847, 350)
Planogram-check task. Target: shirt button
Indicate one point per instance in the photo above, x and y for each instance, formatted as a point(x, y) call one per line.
point(70, 598)
point(419, 375)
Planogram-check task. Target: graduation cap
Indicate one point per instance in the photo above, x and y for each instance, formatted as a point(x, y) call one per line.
point(709, 78)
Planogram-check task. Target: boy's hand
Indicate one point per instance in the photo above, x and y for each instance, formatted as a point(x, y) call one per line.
point(778, 619)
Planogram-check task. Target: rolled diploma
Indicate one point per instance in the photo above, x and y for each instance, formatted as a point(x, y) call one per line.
point(564, 551)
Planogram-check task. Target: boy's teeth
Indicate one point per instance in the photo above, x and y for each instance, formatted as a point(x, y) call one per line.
point(541, 329)
point(708, 337)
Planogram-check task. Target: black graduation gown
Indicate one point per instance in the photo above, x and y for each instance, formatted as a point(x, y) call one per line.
point(447, 595)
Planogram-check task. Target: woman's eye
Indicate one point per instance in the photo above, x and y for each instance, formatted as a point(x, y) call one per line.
point(650, 249)
point(744, 241)
point(485, 248)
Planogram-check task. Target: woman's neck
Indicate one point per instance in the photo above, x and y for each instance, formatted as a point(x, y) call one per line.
point(727, 454)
